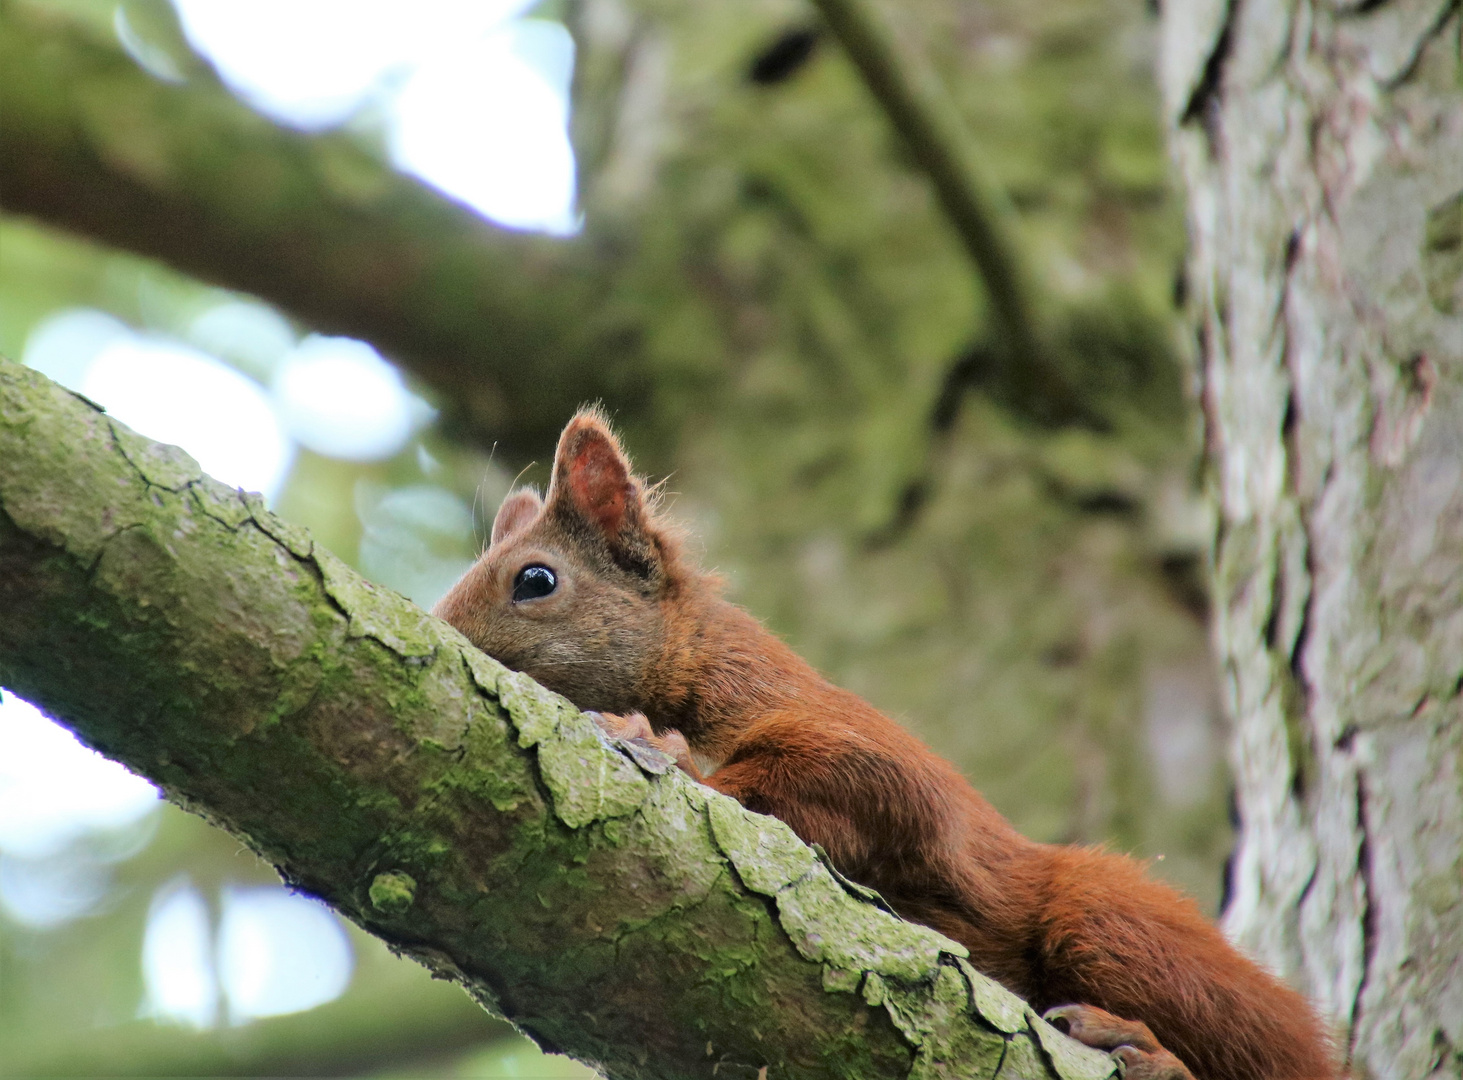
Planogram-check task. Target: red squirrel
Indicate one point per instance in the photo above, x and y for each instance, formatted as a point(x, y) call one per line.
point(590, 592)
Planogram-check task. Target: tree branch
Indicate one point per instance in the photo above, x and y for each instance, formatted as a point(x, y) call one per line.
point(502, 324)
point(476, 822)
point(934, 135)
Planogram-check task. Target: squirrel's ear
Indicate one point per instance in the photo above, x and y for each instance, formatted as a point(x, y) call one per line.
point(592, 480)
point(518, 510)
point(592, 474)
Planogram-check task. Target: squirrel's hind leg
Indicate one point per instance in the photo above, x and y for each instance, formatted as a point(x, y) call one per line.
point(1130, 1041)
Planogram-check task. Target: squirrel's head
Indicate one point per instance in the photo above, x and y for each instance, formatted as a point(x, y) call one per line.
point(572, 585)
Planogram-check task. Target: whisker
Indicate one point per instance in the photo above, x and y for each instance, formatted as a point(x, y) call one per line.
point(477, 497)
point(521, 471)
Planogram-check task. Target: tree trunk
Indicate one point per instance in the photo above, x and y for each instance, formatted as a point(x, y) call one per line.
point(595, 896)
point(1322, 147)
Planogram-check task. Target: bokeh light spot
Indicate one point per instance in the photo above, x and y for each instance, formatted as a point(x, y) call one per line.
point(53, 790)
point(62, 346)
point(273, 953)
point(474, 100)
point(251, 335)
point(279, 953)
point(491, 127)
point(177, 958)
point(169, 392)
point(176, 394)
point(341, 399)
point(46, 893)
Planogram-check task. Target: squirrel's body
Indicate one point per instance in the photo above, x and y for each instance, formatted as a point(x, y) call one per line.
point(589, 593)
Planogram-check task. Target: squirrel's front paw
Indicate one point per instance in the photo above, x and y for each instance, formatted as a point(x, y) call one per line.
point(634, 728)
point(624, 726)
point(1130, 1041)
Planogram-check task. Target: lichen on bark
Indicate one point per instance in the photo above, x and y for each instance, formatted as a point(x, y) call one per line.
point(1322, 146)
point(609, 907)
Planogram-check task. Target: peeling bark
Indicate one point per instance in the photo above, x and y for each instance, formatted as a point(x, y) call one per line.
point(608, 906)
point(1322, 145)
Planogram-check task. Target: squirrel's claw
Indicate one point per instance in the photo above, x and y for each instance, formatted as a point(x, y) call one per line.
point(1129, 1041)
point(654, 753)
point(624, 726)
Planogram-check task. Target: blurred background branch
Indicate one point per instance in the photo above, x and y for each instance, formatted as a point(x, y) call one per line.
point(978, 210)
point(501, 324)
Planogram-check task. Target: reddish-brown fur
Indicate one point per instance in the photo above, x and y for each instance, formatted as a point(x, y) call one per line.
point(633, 627)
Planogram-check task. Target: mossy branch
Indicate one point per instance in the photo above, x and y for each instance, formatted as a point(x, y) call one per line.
point(612, 909)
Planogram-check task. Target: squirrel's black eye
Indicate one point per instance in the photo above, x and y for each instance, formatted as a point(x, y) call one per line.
point(533, 582)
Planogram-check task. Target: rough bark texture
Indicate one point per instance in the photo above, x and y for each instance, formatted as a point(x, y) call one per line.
point(1322, 144)
point(611, 908)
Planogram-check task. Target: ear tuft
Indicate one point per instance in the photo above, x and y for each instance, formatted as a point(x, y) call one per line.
point(518, 509)
point(593, 474)
point(597, 496)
